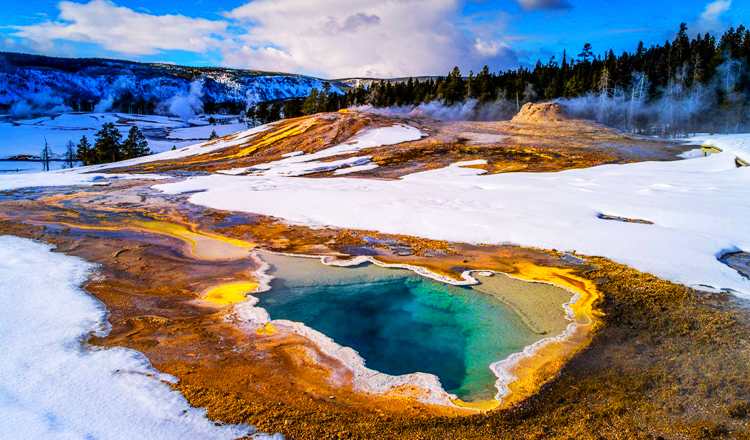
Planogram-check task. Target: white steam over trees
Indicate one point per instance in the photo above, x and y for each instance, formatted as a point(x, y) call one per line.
point(681, 87)
point(184, 105)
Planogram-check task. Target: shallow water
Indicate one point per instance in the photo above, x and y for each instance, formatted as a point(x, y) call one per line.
point(739, 261)
point(400, 322)
point(26, 166)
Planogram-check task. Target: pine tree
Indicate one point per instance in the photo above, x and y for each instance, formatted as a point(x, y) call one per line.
point(586, 52)
point(135, 145)
point(261, 113)
point(310, 106)
point(274, 112)
point(213, 135)
point(84, 152)
point(293, 108)
point(107, 144)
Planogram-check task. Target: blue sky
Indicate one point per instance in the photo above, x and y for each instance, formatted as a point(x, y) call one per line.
point(337, 38)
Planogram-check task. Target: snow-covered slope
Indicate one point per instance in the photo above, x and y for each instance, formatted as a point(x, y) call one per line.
point(26, 137)
point(37, 82)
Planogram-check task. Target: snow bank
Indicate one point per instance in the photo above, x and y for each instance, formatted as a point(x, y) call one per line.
point(299, 164)
point(204, 132)
point(52, 385)
point(700, 209)
point(67, 177)
point(88, 175)
point(27, 166)
point(26, 137)
point(192, 150)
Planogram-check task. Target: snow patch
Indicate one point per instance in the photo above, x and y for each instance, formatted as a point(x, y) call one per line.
point(69, 177)
point(54, 385)
point(301, 164)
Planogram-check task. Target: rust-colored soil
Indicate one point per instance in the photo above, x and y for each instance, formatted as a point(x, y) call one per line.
point(663, 361)
point(526, 143)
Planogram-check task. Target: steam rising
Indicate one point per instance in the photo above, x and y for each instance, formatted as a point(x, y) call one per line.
point(184, 106)
point(123, 84)
point(469, 110)
point(38, 104)
point(675, 109)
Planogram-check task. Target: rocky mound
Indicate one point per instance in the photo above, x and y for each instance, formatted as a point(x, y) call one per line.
point(541, 113)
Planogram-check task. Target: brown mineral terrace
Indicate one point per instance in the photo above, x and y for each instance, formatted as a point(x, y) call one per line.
point(643, 358)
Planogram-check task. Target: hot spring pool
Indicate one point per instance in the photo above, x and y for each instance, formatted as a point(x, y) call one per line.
point(400, 322)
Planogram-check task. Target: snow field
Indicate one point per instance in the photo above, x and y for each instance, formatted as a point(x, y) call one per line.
point(54, 385)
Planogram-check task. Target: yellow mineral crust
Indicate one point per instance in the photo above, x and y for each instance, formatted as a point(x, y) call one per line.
point(539, 364)
point(266, 330)
point(204, 245)
point(229, 294)
point(277, 135)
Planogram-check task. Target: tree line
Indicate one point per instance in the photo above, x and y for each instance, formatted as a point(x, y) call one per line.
point(109, 146)
point(318, 101)
point(681, 86)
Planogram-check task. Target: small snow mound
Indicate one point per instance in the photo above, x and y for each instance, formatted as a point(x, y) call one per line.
point(541, 113)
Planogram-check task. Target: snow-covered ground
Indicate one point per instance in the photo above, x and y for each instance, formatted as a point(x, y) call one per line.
point(68, 177)
point(700, 209)
point(54, 385)
point(193, 149)
point(27, 166)
point(301, 164)
point(88, 175)
point(204, 132)
point(26, 137)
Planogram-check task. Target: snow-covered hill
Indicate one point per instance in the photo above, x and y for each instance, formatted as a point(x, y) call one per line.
point(35, 84)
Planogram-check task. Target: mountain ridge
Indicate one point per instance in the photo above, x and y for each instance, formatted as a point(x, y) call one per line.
point(38, 84)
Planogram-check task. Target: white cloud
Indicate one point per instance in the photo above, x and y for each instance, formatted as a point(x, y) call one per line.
point(332, 38)
point(123, 30)
point(710, 20)
point(340, 38)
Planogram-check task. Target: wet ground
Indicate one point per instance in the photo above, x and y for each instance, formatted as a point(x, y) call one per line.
point(649, 358)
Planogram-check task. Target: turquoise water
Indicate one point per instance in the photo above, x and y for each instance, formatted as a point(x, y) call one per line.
point(400, 322)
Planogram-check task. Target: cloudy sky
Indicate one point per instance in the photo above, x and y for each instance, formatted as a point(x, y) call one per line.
point(344, 38)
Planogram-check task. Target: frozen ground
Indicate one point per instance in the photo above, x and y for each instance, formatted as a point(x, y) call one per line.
point(26, 137)
point(699, 209)
point(89, 176)
point(27, 166)
point(9, 181)
point(301, 164)
point(54, 385)
point(204, 132)
point(193, 149)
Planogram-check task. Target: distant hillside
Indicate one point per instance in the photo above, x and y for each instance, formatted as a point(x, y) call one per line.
point(39, 84)
point(351, 83)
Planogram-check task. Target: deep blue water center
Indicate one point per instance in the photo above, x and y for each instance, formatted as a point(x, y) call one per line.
point(400, 322)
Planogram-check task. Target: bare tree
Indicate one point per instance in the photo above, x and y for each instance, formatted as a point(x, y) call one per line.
point(46, 155)
point(603, 105)
point(70, 154)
